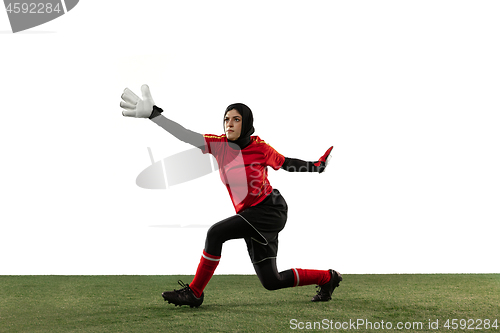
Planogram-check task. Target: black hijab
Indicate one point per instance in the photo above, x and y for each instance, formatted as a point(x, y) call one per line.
point(246, 127)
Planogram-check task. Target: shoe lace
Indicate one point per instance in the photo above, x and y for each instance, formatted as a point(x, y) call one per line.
point(184, 286)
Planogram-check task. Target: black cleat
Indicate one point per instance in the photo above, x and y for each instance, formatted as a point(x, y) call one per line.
point(184, 296)
point(326, 290)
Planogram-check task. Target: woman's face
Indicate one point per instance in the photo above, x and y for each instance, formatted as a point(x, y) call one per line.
point(232, 124)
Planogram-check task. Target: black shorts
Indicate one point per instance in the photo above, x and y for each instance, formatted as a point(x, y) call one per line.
point(268, 218)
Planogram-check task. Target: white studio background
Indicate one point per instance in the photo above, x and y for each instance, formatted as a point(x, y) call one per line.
point(407, 92)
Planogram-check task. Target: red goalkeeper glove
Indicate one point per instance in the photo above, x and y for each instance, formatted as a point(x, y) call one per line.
point(324, 160)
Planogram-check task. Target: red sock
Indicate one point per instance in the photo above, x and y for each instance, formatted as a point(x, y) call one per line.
point(206, 268)
point(304, 277)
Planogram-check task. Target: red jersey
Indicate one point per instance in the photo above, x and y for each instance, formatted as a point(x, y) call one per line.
point(244, 172)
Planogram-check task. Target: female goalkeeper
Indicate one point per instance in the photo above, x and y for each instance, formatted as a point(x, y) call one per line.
point(261, 211)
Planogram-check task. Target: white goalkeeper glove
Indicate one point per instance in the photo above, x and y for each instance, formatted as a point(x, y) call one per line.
point(134, 106)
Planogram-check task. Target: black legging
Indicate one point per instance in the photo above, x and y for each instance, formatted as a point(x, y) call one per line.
point(236, 227)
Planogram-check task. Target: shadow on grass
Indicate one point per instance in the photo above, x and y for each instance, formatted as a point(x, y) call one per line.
point(340, 307)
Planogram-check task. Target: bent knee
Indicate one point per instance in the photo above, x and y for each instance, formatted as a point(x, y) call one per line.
point(215, 235)
point(214, 241)
point(211, 233)
point(271, 285)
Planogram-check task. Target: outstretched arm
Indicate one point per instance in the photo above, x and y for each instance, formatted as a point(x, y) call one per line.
point(144, 108)
point(185, 135)
point(296, 165)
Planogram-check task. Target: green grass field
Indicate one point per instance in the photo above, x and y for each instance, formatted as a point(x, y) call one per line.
point(239, 304)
